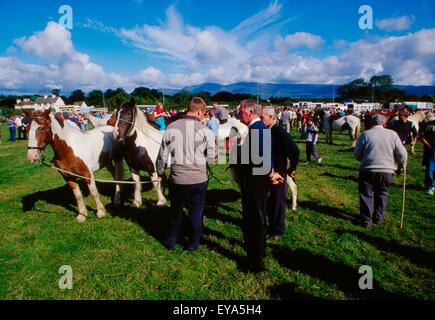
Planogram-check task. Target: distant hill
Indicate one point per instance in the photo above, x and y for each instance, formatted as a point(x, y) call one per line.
point(303, 91)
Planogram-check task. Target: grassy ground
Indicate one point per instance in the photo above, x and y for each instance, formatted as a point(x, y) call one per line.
point(120, 257)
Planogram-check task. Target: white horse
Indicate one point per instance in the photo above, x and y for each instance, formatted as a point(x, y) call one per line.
point(97, 122)
point(350, 123)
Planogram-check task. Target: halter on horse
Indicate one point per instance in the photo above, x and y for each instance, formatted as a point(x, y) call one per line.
point(141, 144)
point(74, 151)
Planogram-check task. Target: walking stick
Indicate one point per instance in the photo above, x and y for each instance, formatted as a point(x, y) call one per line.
point(403, 196)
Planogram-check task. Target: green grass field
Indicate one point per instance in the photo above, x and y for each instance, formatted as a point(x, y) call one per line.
point(119, 257)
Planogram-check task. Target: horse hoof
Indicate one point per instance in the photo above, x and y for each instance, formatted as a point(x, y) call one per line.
point(101, 214)
point(136, 204)
point(81, 218)
point(161, 203)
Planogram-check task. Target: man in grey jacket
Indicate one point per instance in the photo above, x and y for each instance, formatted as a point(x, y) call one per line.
point(191, 146)
point(380, 151)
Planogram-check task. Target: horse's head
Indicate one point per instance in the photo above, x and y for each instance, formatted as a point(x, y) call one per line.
point(125, 121)
point(39, 133)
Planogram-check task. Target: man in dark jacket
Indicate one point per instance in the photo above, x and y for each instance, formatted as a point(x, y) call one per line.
point(284, 149)
point(257, 176)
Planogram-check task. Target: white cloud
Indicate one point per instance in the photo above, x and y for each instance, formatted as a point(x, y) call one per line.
point(260, 20)
point(211, 54)
point(395, 24)
point(299, 39)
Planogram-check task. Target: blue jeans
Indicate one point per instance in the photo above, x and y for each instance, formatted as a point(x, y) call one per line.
point(430, 169)
point(12, 132)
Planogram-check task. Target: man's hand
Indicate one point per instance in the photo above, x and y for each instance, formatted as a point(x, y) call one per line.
point(276, 178)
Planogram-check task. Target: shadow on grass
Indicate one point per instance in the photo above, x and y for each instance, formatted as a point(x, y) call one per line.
point(344, 277)
point(215, 200)
point(287, 291)
point(331, 175)
point(63, 196)
point(339, 166)
point(346, 150)
point(414, 254)
point(330, 211)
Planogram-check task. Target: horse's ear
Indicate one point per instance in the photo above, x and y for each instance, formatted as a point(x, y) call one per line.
point(27, 113)
point(133, 101)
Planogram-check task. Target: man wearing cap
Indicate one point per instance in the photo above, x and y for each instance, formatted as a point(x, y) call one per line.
point(380, 151)
point(220, 113)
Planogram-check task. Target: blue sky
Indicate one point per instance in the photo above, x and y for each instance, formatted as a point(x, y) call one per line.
point(172, 44)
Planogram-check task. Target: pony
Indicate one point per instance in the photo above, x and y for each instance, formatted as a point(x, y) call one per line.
point(74, 152)
point(141, 143)
point(348, 122)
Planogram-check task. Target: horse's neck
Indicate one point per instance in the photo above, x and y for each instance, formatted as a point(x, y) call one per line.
point(146, 130)
point(56, 128)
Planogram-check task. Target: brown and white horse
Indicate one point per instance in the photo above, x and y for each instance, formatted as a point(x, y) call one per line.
point(141, 143)
point(74, 151)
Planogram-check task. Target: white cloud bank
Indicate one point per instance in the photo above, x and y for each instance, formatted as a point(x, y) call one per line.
point(211, 54)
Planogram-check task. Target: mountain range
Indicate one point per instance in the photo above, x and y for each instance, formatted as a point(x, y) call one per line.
point(302, 91)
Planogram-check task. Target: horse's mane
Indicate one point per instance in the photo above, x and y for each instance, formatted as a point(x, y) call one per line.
point(142, 123)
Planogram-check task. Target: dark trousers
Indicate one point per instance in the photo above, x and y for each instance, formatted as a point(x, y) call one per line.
point(255, 191)
point(276, 208)
point(373, 195)
point(311, 150)
point(429, 162)
point(193, 198)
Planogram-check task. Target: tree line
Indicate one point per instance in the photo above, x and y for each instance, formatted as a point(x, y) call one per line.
point(378, 88)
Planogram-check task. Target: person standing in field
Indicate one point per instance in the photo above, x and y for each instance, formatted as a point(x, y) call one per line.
point(12, 129)
point(256, 179)
point(380, 151)
point(221, 113)
point(159, 116)
point(284, 150)
point(192, 147)
point(312, 134)
point(428, 139)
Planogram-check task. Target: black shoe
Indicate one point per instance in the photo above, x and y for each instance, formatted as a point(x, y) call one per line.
point(167, 246)
point(366, 225)
point(191, 249)
point(378, 221)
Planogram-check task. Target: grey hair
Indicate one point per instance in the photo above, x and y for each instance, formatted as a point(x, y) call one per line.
point(271, 111)
point(252, 105)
